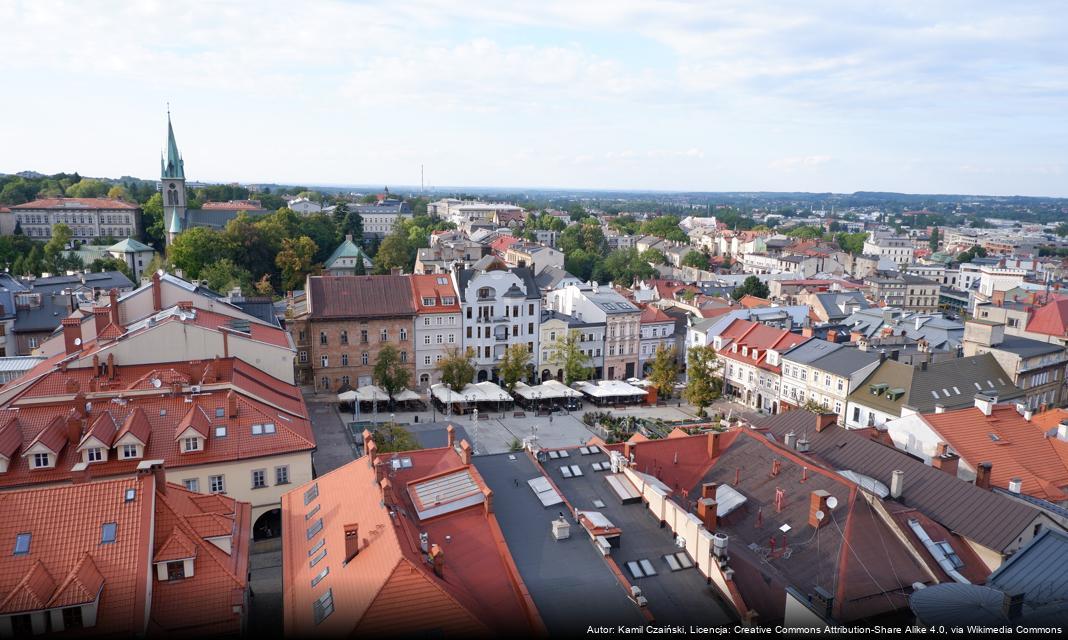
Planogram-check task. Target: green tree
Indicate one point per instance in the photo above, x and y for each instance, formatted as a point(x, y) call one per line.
point(666, 227)
point(933, 242)
point(805, 233)
point(296, 260)
point(111, 264)
point(566, 354)
point(152, 220)
point(390, 373)
point(580, 263)
point(392, 437)
point(703, 385)
point(61, 236)
point(514, 365)
point(584, 237)
point(623, 265)
point(1062, 229)
point(263, 286)
point(393, 252)
point(119, 192)
point(655, 256)
point(752, 286)
point(457, 368)
point(18, 191)
point(198, 247)
point(852, 243)
point(697, 260)
point(88, 188)
point(665, 370)
point(223, 275)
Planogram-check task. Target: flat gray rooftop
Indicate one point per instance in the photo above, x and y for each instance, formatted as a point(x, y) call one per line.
point(570, 582)
point(675, 597)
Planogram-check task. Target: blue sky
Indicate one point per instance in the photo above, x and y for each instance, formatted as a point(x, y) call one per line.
point(946, 97)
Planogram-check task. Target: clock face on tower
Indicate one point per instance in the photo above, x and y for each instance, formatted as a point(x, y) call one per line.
point(172, 185)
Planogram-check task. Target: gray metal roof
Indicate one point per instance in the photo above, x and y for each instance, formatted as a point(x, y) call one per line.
point(846, 361)
point(1036, 570)
point(990, 519)
point(524, 273)
point(1026, 347)
point(810, 351)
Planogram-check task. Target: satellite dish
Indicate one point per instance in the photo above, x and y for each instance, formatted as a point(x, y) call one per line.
point(77, 342)
point(832, 502)
point(157, 383)
point(820, 515)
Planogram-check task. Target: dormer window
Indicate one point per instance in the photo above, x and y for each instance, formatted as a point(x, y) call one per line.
point(190, 444)
point(94, 454)
point(129, 451)
point(42, 460)
point(428, 302)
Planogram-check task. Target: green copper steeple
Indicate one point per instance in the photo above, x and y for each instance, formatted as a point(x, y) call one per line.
point(172, 166)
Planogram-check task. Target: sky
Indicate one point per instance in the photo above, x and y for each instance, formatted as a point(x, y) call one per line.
point(920, 97)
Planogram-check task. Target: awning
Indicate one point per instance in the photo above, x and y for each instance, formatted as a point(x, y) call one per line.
point(481, 392)
point(407, 395)
point(371, 393)
point(609, 389)
point(548, 390)
point(348, 396)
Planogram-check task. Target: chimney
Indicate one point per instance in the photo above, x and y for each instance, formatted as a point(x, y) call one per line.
point(437, 558)
point(855, 336)
point(451, 431)
point(985, 402)
point(897, 484)
point(352, 542)
point(160, 478)
point(707, 512)
point(80, 474)
point(945, 460)
point(72, 335)
point(790, 440)
point(113, 307)
point(817, 503)
point(231, 404)
point(488, 501)
point(111, 366)
point(1028, 414)
point(627, 448)
point(185, 305)
point(803, 445)
point(713, 444)
point(832, 336)
point(824, 420)
point(982, 475)
point(806, 332)
point(74, 429)
point(465, 452)
point(1012, 605)
point(157, 293)
point(1016, 485)
point(708, 489)
point(823, 601)
point(101, 319)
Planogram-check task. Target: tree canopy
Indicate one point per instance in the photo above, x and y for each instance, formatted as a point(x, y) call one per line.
point(751, 286)
point(457, 369)
point(703, 386)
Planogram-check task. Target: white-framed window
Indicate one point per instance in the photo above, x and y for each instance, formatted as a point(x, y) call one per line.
point(259, 478)
point(324, 361)
point(403, 334)
point(217, 484)
point(452, 338)
point(281, 475)
point(426, 339)
point(191, 444)
point(426, 322)
point(426, 360)
point(192, 484)
point(96, 454)
point(439, 339)
point(41, 460)
point(129, 451)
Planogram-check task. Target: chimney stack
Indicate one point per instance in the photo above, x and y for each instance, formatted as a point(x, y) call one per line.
point(945, 460)
point(368, 440)
point(708, 490)
point(982, 475)
point(74, 429)
point(72, 335)
point(817, 502)
point(824, 420)
point(897, 484)
point(157, 294)
point(985, 402)
point(465, 452)
point(451, 431)
point(1016, 485)
point(713, 444)
point(437, 558)
point(79, 473)
point(352, 542)
point(1012, 605)
point(113, 307)
point(790, 440)
point(160, 478)
point(101, 319)
point(707, 511)
point(231, 404)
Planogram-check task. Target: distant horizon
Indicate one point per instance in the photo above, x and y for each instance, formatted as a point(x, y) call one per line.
point(834, 97)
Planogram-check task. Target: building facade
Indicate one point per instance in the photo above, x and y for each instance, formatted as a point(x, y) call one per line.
point(88, 218)
point(622, 320)
point(501, 308)
point(438, 325)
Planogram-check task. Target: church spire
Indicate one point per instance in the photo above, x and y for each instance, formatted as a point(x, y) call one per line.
point(173, 167)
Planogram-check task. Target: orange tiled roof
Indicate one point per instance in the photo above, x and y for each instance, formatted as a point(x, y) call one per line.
point(1014, 447)
point(753, 302)
point(651, 314)
point(80, 203)
point(1050, 319)
point(425, 285)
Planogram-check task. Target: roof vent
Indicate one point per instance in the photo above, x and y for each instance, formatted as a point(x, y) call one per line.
point(1016, 485)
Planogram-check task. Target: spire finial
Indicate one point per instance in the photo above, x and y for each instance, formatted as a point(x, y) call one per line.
point(168, 109)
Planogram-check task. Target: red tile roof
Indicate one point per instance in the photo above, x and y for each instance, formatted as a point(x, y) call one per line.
point(390, 578)
point(1050, 319)
point(74, 204)
point(359, 297)
point(428, 286)
point(651, 314)
point(233, 205)
point(1014, 447)
point(753, 302)
point(758, 338)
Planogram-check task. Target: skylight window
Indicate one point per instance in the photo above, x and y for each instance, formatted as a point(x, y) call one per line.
point(315, 528)
point(268, 427)
point(322, 574)
point(316, 547)
point(107, 532)
point(323, 607)
point(311, 494)
point(956, 391)
point(311, 513)
point(22, 544)
point(945, 392)
point(934, 393)
point(130, 495)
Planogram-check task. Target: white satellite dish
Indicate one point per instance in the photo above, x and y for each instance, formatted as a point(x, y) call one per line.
point(832, 502)
point(157, 383)
point(77, 342)
point(820, 515)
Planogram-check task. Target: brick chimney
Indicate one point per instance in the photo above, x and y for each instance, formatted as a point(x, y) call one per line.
point(72, 335)
point(80, 474)
point(818, 502)
point(101, 319)
point(451, 434)
point(488, 501)
point(982, 475)
point(113, 307)
point(824, 420)
point(854, 336)
point(832, 336)
point(160, 477)
point(111, 366)
point(707, 512)
point(74, 429)
point(185, 305)
point(708, 490)
point(806, 332)
point(945, 460)
point(231, 404)
point(713, 444)
point(352, 542)
point(465, 452)
point(157, 293)
point(437, 558)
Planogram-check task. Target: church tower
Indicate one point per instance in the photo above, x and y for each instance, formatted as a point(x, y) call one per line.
point(172, 178)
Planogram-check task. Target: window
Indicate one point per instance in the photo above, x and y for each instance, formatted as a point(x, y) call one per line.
point(315, 560)
point(530, 309)
point(190, 444)
point(322, 337)
point(426, 322)
point(344, 380)
point(364, 358)
point(259, 478)
point(323, 607)
point(426, 360)
point(322, 574)
point(344, 337)
point(129, 451)
point(94, 455)
point(363, 336)
point(403, 334)
point(41, 460)
point(72, 618)
point(315, 528)
point(404, 357)
point(192, 484)
point(176, 570)
point(344, 359)
point(216, 484)
point(311, 494)
point(220, 431)
point(384, 335)
point(439, 339)
point(220, 412)
point(22, 544)
point(281, 475)
point(426, 339)
point(107, 532)
point(452, 338)
point(257, 429)
point(324, 361)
